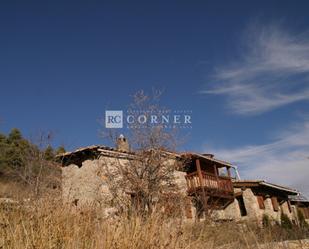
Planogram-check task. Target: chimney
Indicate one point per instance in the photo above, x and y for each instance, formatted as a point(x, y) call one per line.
point(122, 144)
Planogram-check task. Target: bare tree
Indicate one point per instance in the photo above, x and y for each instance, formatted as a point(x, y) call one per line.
point(147, 176)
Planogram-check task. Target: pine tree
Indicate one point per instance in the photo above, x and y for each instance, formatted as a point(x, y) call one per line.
point(60, 150)
point(2, 138)
point(49, 153)
point(16, 150)
point(14, 136)
point(3, 147)
point(23, 161)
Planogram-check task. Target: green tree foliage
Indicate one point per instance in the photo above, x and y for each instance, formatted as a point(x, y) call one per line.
point(49, 153)
point(14, 136)
point(3, 148)
point(266, 221)
point(2, 138)
point(17, 149)
point(60, 150)
point(286, 223)
point(24, 163)
point(16, 152)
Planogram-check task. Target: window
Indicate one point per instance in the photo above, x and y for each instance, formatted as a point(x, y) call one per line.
point(241, 204)
point(260, 200)
point(275, 203)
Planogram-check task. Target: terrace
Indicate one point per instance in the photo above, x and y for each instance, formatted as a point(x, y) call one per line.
point(209, 178)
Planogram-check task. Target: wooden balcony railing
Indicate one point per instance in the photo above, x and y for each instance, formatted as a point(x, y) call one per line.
point(209, 182)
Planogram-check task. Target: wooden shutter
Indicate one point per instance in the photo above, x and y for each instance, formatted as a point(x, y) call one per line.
point(275, 203)
point(260, 200)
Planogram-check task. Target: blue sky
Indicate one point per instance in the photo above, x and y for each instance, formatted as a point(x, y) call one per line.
point(242, 68)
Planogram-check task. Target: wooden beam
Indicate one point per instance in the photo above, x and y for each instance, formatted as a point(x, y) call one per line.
point(200, 176)
point(228, 171)
point(216, 172)
point(199, 171)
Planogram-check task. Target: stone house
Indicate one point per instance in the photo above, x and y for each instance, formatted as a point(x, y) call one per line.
point(208, 184)
point(302, 204)
point(257, 199)
point(211, 185)
point(83, 172)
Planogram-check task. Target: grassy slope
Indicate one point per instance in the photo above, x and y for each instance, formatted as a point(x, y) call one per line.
point(49, 224)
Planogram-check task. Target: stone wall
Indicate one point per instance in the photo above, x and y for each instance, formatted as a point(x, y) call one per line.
point(254, 212)
point(82, 185)
point(231, 212)
point(88, 184)
point(180, 181)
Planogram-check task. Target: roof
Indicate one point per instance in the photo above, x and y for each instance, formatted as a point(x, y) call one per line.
point(207, 157)
point(94, 151)
point(93, 148)
point(103, 148)
point(257, 183)
point(299, 198)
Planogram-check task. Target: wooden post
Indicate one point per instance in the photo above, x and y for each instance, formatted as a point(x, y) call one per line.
point(216, 172)
point(199, 171)
point(200, 176)
point(217, 177)
point(228, 171)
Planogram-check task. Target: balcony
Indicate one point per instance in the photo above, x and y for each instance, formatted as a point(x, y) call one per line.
point(211, 184)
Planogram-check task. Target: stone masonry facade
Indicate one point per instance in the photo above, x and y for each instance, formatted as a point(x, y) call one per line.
point(86, 184)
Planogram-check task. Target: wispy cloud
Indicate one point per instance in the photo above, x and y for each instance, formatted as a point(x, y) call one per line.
point(284, 161)
point(273, 71)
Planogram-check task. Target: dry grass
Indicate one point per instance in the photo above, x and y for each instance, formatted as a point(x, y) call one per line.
point(12, 190)
point(48, 224)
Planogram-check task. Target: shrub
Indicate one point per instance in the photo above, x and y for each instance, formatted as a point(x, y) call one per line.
point(266, 221)
point(286, 223)
point(302, 221)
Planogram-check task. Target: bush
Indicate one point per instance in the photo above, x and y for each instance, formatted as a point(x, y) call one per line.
point(286, 223)
point(266, 221)
point(302, 221)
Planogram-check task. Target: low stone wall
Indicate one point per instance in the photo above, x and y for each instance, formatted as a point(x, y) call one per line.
point(231, 212)
point(254, 212)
